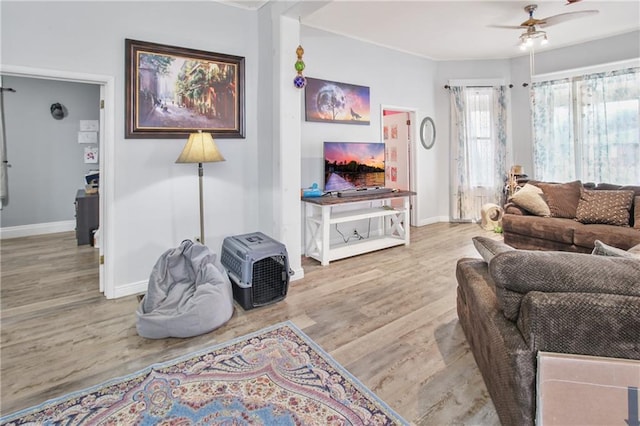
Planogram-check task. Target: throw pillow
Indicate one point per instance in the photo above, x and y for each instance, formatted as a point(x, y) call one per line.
point(562, 198)
point(488, 248)
point(604, 206)
point(530, 198)
point(635, 250)
point(636, 212)
point(602, 249)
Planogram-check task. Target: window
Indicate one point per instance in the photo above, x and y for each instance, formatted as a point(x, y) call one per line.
point(588, 128)
point(479, 103)
point(478, 148)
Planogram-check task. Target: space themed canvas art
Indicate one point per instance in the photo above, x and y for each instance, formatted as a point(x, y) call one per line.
point(329, 101)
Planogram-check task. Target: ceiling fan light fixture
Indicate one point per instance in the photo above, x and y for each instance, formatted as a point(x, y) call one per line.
point(528, 38)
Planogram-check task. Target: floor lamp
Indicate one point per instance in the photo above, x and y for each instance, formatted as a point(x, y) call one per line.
point(200, 148)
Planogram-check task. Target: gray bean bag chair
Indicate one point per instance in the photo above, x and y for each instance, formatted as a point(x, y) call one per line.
point(188, 294)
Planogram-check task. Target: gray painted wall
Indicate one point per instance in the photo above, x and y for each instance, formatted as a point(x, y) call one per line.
point(394, 79)
point(156, 200)
point(47, 162)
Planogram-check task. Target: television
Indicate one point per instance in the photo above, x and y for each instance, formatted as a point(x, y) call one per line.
point(353, 165)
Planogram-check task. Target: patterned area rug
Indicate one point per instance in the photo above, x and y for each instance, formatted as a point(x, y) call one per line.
point(276, 376)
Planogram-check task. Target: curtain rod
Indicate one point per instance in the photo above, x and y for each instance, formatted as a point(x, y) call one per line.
point(446, 86)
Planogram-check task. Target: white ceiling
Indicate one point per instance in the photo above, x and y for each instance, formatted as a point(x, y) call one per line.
point(460, 30)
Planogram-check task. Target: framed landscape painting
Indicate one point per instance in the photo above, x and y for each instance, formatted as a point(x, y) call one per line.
point(332, 102)
point(172, 92)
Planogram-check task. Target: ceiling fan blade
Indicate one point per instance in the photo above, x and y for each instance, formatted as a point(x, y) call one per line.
point(556, 19)
point(508, 27)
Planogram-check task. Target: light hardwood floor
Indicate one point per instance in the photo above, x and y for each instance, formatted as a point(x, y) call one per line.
point(389, 317)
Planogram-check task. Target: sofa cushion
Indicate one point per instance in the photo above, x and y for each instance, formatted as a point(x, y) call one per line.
point(604, 206)
point(614, 187)
point(562, 198)
point(488, 247)
point(530, 198)
point(517, 272)
point(546, 228)
point(617, 236)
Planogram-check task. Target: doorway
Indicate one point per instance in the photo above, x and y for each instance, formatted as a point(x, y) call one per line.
point(399, 135)
point(105, 156)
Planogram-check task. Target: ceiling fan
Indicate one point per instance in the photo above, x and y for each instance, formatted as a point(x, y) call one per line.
point(532, 24)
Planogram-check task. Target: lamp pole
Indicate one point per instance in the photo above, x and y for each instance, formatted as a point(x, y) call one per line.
point(200, 174)
point(200, 148)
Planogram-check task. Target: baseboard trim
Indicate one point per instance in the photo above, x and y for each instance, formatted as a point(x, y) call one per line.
point(431, 220)
point(37, 229)
point(130, 289)
point(298, 274)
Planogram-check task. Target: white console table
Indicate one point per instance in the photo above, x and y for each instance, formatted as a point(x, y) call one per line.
point(320, 214)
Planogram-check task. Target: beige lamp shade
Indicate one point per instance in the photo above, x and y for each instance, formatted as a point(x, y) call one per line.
point(200, 148)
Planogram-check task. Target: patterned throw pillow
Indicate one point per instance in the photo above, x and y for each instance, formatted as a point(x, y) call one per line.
point(636, 212)
point(604, 206)
point(562, 198)
point(530, 198)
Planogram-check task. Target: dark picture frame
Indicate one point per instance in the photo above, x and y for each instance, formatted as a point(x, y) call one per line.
point(174, 91)
point(332, 102)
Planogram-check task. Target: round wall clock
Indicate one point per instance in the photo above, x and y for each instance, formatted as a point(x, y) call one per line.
point(427, 133)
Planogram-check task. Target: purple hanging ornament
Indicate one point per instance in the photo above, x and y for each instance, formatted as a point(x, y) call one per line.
point(299, 81)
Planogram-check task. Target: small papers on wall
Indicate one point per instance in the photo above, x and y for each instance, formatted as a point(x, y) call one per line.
point(89, 125)
point(87, 137)
point(91, 154)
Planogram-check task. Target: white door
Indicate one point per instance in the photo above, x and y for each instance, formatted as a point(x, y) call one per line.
point(397, 139)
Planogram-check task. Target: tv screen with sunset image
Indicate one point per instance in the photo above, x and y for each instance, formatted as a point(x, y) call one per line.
point(353, 165)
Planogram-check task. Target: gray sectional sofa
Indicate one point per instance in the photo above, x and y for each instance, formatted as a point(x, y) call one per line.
point(514, 303)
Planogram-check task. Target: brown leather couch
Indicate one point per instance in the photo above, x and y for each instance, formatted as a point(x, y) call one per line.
point(524, 230)
point(522, 302)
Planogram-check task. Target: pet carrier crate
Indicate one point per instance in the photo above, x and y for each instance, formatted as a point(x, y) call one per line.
point(258, 267)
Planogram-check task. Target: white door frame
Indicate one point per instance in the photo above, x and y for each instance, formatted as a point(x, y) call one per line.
point(413, 150)
point(106, 155)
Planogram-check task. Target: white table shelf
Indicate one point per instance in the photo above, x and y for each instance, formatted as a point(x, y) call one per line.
point(322, 212)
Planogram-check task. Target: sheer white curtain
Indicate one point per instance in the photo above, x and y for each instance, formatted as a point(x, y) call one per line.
point(610, 128)
point(553, 140)
point(588, 127)
point(478, 144)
